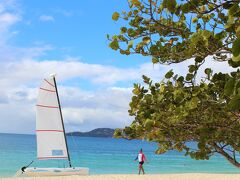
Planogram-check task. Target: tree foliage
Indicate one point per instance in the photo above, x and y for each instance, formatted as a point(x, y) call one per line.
point(172, 32)
point(179, 110)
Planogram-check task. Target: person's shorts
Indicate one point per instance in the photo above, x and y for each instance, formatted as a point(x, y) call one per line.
point(141, 162)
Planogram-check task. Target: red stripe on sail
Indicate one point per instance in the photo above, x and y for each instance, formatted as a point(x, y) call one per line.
point(49, 83)
point(39, 105)
point(48, 130)
point(47, 90)
point(52, 157)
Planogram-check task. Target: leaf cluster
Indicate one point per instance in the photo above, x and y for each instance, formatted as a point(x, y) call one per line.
point(174, 113)
point(172, 31)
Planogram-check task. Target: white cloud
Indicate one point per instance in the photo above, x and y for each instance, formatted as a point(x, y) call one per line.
point(9, 15)
point(105, 105)
point(83, 109)
point(64, 12)
point(86, 119)
point(30, 70)
point(46, 18)
point(8, 19)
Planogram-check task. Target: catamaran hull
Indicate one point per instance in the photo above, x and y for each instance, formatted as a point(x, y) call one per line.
point(36, 172)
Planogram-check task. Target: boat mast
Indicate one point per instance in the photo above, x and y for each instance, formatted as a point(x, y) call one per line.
point(69, 160)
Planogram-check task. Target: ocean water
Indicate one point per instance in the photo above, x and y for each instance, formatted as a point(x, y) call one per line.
point(105, 156)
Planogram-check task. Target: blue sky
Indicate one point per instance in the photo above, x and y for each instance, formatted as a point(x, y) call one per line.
point(75, 28)
point(38, 38)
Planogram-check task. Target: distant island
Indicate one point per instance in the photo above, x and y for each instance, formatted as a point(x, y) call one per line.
point(99, 132)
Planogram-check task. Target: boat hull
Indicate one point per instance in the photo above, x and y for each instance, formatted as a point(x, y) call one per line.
point(36, 172)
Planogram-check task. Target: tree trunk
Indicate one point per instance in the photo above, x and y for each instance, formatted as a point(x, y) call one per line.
point(231, 159)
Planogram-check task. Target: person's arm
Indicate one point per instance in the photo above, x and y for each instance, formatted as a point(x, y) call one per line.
point(136, 158)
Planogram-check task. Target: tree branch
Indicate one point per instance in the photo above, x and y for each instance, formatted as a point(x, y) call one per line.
point(231, 159)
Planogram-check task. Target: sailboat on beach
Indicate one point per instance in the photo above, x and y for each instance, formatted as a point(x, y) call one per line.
point(50, 132)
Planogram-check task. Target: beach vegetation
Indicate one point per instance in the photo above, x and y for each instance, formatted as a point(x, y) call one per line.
point(181, 108)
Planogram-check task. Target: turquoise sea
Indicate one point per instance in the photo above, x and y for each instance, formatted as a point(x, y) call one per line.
point(104, 156)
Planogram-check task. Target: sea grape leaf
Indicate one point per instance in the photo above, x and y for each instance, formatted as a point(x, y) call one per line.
point(115, 16)
point(169, 74)
point(229, 87)
point(236, 47)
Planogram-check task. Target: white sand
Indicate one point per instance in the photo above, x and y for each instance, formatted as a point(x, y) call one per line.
point(192, 176)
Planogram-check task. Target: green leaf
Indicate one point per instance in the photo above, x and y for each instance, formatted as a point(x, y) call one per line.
point(229, 87)
point(237, 85)
point(236, 47)
point(238, 32)
point(136, 2)
point(136, 90)
point(169, 74)
point(199, 59)
point(193, 104)
point(234, 9)
point(236, 59)
point(227, 5)
point(114, 45)
point(234, 104)
point(234, 63)
point(123, 30)
point(146, 40)
point(195, 19)
point(160, 151)
point(230, 24)
point(146, 79)
point(127, 52)
point(155, 60)
point(128, 130)
point(192, 68)
point(117, 133)
point(220, 35)
point(208, 71)
point(206, 33)
point(162, 88)
point(189, 77)
point(149, 124)
point(115, 16)
point(170, 5)
point(185, 8)
point(180, 79)
point(131, 32)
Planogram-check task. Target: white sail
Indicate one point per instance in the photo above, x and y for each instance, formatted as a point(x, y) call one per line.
point(51, 142)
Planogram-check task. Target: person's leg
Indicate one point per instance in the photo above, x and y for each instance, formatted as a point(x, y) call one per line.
point(143, 170)
point(139, 168)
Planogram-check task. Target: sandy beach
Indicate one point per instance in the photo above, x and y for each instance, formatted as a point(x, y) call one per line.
point(190, 176)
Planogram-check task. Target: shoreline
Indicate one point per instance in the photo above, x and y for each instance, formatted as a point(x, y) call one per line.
point(182, 176)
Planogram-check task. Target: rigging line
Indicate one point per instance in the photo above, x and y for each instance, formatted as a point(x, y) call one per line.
point(75, 143)
point(74, 140)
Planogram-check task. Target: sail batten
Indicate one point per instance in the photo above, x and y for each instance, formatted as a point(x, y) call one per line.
point(49, 90)
point(45, 106)
point(49, 130)
point(51, 142)
point(51, 157)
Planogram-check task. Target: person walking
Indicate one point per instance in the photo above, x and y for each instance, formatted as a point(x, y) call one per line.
point(141, 158)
